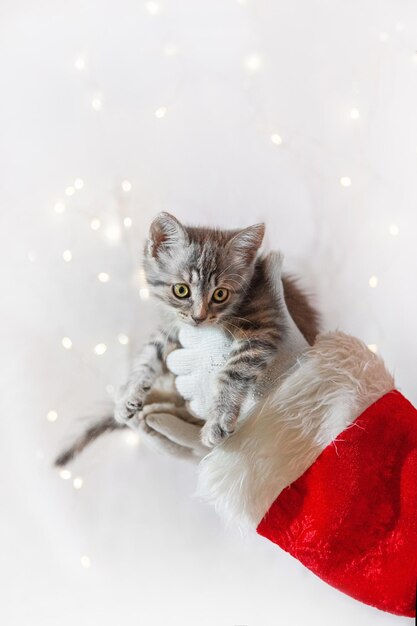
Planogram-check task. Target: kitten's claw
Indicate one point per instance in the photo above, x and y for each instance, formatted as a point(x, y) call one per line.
point(216, 431)
point(124, 412)
point(129, 404)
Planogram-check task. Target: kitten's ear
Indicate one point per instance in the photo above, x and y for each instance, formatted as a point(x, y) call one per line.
point(273, 270)
point(247, 242)
point(164, 233)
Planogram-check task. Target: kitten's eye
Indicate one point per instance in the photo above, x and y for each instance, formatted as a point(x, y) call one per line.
point(181, 291)
point(220, 295)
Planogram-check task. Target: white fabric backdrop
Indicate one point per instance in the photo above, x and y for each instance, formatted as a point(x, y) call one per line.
point(181, 99)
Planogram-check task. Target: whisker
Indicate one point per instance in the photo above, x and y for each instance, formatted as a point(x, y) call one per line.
point(245, 280)
point(241, 288)
point(227, 330)
point(167, 334)
point(225, 270)
point(242, 331)
point(244, 319)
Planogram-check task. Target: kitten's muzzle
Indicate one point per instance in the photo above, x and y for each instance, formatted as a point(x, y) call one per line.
point(198, 320)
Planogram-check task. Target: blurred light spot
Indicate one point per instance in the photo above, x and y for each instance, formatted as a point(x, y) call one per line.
point(100, 349)
point(67, 256)
point(95, 223)
point(373, 282)
point(78, 183)
point(65, 474)
point(59, 207)
point(77, 482)
point(127, 222)
point(79, 64)
point(144, 293)
point(354, 114)
point(170, 49)
point(70, 191)
point(66, 343)
point(97, 103)
point(394, 230)
point(276, 139)
point(126, 185)
point(52, 416)
point(152, 7)
point(110, 389)
point(123, 339)
point(132, 439)
point(252, 63)
point(345, 181)
point(113, 232)
point(103, 277)
point(160, 112)
point(85, 562)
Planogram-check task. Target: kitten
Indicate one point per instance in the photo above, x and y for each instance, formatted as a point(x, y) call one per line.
point(204, 276)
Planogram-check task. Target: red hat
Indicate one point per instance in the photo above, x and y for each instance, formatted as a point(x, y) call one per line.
point(351, 518)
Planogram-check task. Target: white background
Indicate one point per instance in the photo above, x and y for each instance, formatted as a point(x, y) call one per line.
point(223, 77)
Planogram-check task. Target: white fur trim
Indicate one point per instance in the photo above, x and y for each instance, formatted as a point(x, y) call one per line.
point(332, 383)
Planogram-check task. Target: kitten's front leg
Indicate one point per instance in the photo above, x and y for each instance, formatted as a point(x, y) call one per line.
point(246, 363)
point(148, 365)
point(221, 423)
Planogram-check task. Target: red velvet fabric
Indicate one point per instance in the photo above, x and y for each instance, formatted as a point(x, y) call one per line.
point(351, 518)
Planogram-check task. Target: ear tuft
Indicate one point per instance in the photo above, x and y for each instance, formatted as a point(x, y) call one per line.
point(247, 242)
point(273, 268)
point(165, 232)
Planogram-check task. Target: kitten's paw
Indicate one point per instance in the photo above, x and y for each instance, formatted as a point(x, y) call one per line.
point(217, 431)
point(124, 412)
point(129, 404)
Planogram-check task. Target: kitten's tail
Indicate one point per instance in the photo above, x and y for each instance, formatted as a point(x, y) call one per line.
point(104, 425)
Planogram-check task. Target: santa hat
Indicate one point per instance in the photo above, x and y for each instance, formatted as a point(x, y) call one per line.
point(327, 470)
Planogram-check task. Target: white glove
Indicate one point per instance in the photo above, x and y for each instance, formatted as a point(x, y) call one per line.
point(167, 429)
point(204, 352)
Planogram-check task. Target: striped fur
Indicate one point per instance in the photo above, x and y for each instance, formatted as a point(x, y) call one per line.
point(95, 430)
point(205, 259)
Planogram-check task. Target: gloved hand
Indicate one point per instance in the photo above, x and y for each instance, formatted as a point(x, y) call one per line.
point(324, 466)
point(170, 429)
point(204, 352)
point(175, 430)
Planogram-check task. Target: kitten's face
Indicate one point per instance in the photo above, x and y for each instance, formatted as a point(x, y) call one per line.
point(201, 274)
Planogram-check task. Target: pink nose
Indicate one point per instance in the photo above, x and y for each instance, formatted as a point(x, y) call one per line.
point(198, 320)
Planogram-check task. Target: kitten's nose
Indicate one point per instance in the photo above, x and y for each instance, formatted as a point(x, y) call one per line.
point(198, 320)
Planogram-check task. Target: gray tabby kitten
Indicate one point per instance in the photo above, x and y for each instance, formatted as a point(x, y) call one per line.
point(207, 276)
